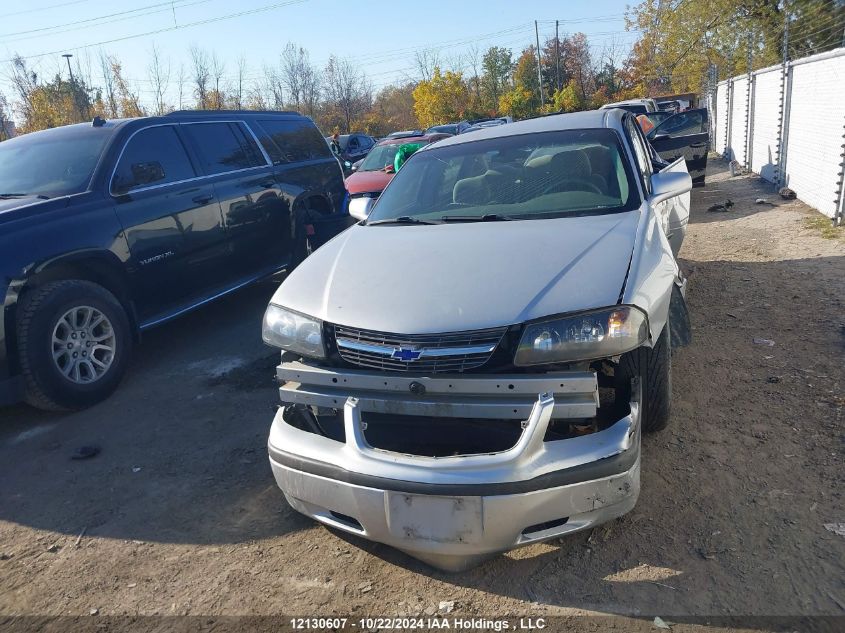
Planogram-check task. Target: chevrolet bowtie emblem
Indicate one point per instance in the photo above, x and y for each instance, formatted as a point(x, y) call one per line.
point(401, 353)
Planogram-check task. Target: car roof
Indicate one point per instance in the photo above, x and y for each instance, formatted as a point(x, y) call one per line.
point(627, 102)
point(591, 119)
point(401, 140)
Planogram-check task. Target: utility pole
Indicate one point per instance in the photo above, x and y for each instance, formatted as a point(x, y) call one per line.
point(67, 57)
point(557, 53)
point(539, 65)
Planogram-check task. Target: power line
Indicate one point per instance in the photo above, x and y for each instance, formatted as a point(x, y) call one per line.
point(167, 7)
point(52, 6)
point(178, 27)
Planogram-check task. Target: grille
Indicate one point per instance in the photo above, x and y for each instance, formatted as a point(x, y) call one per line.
point(445, 362)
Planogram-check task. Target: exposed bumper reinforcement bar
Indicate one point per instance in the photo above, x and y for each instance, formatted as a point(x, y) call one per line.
point(453, 512)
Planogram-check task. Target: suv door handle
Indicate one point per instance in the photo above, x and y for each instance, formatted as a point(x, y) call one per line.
point(267, 183)
point(699, 144)
point(203, 199)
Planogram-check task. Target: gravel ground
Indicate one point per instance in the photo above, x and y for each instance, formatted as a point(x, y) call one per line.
point(179, 513)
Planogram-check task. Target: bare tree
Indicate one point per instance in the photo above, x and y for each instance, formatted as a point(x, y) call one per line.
point(300, 79)
point(348, 91)
point(274, 87)
point(240, 83)
point(200, 75)
point(293, 59)
point(159, 75)
point(218, 70)
point(426, 60)
point(109, 89)
point(181, 77)
point(5, 118)
point(473, 60)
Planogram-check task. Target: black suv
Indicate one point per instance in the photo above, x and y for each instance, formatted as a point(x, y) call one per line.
point(112, 227)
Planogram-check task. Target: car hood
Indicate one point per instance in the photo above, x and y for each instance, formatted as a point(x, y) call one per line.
point(367, 181)
point(451, 277)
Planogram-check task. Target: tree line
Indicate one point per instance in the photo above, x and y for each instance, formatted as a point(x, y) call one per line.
point(680, 44)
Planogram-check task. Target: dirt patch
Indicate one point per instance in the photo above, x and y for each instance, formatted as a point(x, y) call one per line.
point(257, 374)
point(730, 521)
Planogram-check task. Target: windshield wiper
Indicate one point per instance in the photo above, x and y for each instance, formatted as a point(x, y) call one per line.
point(402, 219)
point(488, 217)
point(23, 195)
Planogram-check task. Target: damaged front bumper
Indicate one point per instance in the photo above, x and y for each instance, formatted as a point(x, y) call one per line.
point(454, 511)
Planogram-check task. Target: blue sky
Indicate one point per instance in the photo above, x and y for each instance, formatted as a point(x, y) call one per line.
point(380, 37)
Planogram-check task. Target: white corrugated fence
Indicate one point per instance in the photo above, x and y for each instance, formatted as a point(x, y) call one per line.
point(790, 127)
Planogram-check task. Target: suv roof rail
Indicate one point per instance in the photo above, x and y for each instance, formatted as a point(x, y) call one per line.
point(227, 112)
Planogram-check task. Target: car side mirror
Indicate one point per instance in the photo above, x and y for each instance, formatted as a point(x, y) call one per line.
point(359, 208)
point(669, 184)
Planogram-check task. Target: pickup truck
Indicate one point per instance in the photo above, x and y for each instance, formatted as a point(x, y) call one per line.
point(470, 367)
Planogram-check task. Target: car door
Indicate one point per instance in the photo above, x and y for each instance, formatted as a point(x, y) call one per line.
point(170, 218)
point(253, 211)
point(672, 214)
point(686, 135)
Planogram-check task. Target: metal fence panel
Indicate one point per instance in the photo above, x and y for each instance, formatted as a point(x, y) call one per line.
point(738, 113)
point(720, 124)
point(816, 119)
point(766, 124)
point(802, 137)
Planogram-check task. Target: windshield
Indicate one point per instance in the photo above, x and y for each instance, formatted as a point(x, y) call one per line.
point(445, 129)
point(530, 176)
point(383, 155)
point(53, 162)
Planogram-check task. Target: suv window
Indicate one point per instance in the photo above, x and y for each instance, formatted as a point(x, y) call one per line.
point(153, 156)
point(224, 146)
point(290, 141)
point(353, 143)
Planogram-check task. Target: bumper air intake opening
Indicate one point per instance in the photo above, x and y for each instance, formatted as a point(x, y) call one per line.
point(346, 520)
point(439, 437)
point(542, 527)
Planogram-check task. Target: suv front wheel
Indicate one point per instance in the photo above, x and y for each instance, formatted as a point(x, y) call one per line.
point(74, 344)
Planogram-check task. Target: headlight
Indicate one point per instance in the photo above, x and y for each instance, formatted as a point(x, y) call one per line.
point(293, 332)
point(584, 336)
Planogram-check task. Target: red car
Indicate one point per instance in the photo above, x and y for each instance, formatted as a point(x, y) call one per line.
point(377, 169)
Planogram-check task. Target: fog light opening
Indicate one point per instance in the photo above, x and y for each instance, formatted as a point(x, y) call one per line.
point(542, 527)
point(346, 520)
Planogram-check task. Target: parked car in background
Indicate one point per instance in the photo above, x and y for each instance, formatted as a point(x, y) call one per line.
point(353, 147)
point(685, 134)
point(449, 128)
point(469, 369)
point(480, 124)
point(112, 227)
point(377, 169)
point(636, 106)
point(669, 106)
point(405, 134)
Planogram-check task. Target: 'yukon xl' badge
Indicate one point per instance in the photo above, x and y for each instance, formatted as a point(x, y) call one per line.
point(401, 353)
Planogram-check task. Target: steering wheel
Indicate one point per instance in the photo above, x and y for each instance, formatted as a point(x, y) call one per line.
point(581, 185)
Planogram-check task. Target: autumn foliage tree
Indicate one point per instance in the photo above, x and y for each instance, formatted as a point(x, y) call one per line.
point(443, 98)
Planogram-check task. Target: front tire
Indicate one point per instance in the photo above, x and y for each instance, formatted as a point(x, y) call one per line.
point(74, 344)
point(653, 367)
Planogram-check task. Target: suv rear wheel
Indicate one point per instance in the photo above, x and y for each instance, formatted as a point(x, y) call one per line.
point(74, 343)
